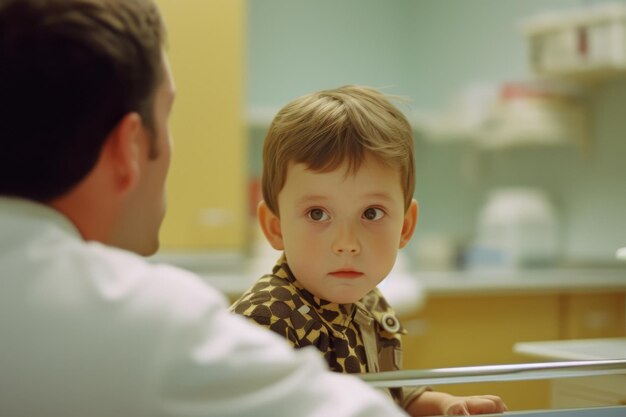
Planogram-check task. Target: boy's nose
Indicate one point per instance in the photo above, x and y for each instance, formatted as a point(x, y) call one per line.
point(346, 241)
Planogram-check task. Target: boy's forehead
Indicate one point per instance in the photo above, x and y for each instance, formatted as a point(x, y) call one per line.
point(346, 167)
point(303, 172)
point(371, 175)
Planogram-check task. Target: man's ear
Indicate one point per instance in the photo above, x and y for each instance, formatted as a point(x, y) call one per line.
point(123, 151)
point(270, 224)
point(410, 221)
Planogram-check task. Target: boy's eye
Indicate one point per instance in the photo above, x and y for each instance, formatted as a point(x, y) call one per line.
point(373, 213)
point(317, 215)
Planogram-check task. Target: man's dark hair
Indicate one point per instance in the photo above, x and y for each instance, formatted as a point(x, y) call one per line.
point(69, 71)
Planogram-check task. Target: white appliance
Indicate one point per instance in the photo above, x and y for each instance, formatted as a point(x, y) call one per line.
point(517, 227)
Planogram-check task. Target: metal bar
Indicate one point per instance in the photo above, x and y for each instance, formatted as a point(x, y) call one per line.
point(511, 372)
point(595, 411)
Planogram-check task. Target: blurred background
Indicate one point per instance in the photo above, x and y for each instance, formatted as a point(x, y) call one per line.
point(518, 115)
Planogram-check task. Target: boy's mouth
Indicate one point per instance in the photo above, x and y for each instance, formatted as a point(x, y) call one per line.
point(346, 273)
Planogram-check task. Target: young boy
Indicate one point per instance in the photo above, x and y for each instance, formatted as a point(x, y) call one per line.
point(338, 179)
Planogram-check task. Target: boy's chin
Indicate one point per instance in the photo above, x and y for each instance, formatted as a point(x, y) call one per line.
point(345, 298)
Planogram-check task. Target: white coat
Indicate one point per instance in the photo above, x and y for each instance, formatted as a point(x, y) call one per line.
point(88, 330)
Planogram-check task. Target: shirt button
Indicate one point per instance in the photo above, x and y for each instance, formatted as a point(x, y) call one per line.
point(390, 323)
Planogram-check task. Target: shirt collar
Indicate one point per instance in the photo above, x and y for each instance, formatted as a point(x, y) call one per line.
point(33, 211)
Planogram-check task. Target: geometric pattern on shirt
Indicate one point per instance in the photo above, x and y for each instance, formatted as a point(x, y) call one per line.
point(278, 301)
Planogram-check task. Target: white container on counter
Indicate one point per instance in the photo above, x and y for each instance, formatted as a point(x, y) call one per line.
point(517, 227)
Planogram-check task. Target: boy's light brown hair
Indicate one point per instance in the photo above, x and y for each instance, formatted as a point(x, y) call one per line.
point(327, 128)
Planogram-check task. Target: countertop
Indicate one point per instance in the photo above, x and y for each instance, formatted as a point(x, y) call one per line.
point(527, 281)
point(233, 273)
point(575, 349)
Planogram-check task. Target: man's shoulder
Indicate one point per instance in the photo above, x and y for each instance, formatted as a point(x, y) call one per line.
point(160, 286)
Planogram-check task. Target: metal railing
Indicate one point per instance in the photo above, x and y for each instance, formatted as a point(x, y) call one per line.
point(511, 372)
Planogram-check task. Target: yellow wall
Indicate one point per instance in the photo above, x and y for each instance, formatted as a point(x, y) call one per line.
point(206, 188)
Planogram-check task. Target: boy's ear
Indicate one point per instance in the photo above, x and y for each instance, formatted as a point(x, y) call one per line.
point(410, 221)
point(270, 224)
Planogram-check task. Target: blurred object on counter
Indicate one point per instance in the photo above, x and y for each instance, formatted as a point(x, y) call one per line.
point(517, 228)
point(263, 257)
point(587, 42)
point(621, 254)
point(436, 253)
point(402, 288)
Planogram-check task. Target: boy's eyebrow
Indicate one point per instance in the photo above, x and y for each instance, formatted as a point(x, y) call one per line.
point(319, 197)
point(381, 196)
point(309, 197)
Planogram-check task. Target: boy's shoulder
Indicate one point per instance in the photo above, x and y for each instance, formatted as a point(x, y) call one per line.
point(267, 291)
point(275, 294)
point(276, 303)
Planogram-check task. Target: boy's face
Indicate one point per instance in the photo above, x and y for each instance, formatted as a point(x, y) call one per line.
point(341, 233)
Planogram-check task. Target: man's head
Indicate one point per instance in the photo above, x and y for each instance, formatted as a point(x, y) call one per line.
point(69, 71)
point(328, 128)
point(79, 81)
point(338, 185)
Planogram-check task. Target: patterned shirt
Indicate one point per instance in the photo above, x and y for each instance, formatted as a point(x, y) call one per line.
point(354, 338)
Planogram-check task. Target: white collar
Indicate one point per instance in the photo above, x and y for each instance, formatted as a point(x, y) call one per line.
point(32, 211)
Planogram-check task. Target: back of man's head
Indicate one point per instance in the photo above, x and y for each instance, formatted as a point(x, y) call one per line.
point(69, 71)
